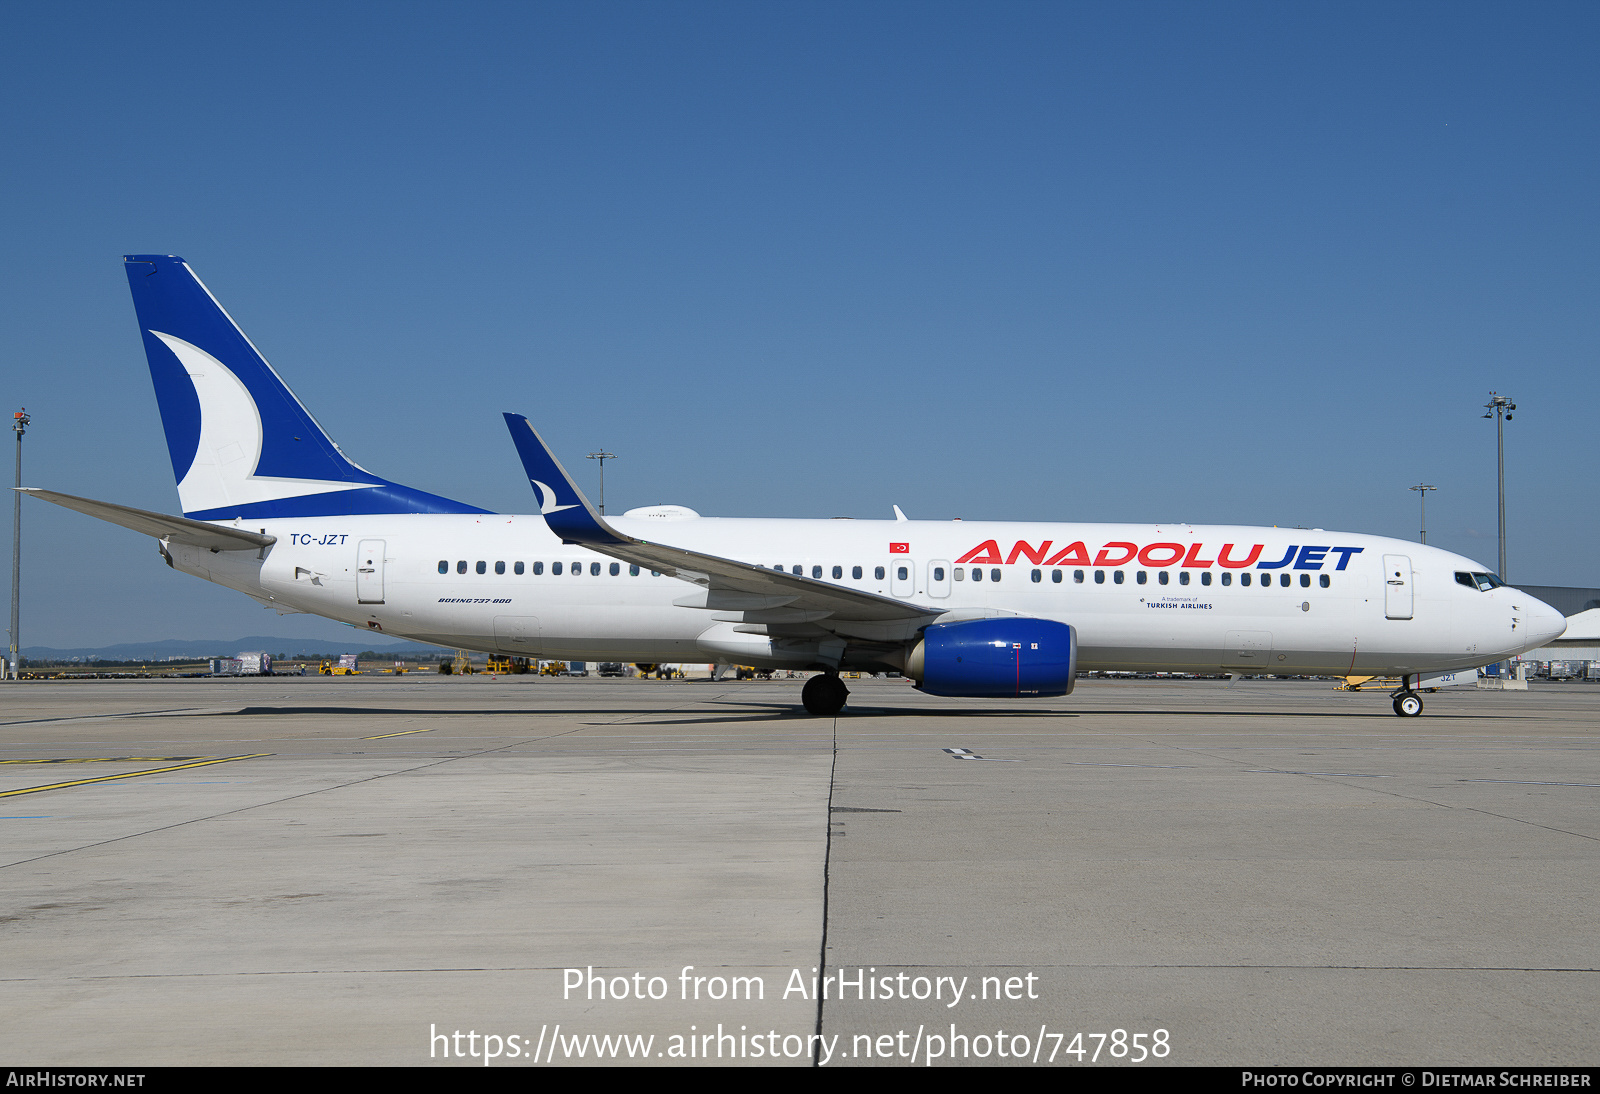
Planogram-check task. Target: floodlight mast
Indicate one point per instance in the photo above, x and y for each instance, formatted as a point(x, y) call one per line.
point(1422, 494)
point(1500, 408)
point(19, 425)
point(602, 457)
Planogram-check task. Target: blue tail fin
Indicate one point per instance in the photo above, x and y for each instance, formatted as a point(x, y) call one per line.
point(241, 444)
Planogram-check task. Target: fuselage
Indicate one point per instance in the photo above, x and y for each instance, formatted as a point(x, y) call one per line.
point(1177, 598)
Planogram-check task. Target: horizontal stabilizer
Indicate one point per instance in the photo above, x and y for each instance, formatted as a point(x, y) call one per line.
point(191, 533)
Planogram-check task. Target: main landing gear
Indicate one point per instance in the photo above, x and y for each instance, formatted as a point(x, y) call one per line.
point(824, 694)
point(1407, 703)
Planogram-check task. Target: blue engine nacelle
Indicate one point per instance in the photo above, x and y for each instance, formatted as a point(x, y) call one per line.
point(996, 658)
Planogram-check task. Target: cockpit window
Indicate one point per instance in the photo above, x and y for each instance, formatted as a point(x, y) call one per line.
point(1481, 582)
point(1464, 578)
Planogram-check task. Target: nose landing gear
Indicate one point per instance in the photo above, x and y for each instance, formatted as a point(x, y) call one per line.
point(1407, 703)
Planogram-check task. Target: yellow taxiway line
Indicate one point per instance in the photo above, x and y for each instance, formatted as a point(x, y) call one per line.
point(128, 775)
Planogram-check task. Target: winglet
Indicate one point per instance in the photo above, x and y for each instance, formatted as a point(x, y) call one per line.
point(565, 509)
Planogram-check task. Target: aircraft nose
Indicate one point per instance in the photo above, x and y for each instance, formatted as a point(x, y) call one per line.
point(1543, 624)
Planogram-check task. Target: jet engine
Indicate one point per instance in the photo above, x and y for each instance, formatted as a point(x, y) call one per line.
point(996, 658)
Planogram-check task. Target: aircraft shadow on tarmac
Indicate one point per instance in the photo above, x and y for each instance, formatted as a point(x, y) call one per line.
point(790, 711)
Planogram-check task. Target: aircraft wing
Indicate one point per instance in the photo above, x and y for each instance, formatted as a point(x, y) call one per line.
point(757, 594)
point(191, 533)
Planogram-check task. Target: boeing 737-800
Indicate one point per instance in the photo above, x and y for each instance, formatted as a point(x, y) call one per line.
point(274, 509)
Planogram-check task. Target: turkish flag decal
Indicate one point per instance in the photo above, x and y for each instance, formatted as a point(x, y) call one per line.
point(899, 548)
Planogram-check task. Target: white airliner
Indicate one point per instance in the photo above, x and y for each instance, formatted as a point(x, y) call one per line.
point(273, 509)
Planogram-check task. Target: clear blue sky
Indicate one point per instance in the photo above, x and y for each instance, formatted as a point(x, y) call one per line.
point(1254, 263)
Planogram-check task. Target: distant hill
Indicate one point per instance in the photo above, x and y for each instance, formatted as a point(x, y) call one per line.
point(209, 647)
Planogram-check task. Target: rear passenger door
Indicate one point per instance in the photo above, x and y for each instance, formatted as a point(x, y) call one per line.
point(369, 572)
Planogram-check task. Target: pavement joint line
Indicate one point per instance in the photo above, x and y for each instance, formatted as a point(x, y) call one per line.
point(827, 861)
point(127, 775)
point(1524, 782)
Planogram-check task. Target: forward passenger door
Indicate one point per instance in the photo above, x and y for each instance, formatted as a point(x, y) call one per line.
point(1397, 594)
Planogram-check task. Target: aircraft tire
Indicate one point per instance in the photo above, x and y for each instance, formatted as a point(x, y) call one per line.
point(1408, 705)
point(824, 695)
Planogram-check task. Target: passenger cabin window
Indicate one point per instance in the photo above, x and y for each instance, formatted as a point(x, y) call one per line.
point(482, 567)
point(1099, 577)
point(499, 567)
point(1305, 581)
point(555, 568)
point(1141, 577)
point(938, 573)
point(1205, 577)
point(994, 575)
point(1244, 579)
point(798, 570)
point(1283, 579)
point(1183, 577)
point(877, 572)
point(977, 574)
point(816, 571)
point(1324, 581)
point(616, 569)
point(594, 569)
point(901, 573)
point(461, 567)
point(538, 568)
point(1227, 578)
point(633, 571)
point(1037, 577)
point(855, 572)
point(444, 568)
point(1117, 577)
point(959, 574)
point(1055, 576)
point(838, 572)
point(517, 568)
point(1077, 577)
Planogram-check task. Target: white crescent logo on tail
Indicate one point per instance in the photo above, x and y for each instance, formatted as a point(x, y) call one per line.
point(547, 498)
point(224, 469)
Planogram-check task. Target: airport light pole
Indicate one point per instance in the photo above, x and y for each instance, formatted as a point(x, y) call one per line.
point(20, 426)
point(1500, 408)
point(1422, 494)
point(602, 457)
